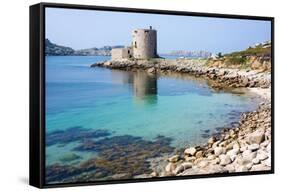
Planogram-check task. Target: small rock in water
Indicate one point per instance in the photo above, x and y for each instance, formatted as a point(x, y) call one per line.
point(211, 140)
point(69, 157)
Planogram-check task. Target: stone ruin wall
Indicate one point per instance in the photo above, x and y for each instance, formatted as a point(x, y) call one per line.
point(121, 53)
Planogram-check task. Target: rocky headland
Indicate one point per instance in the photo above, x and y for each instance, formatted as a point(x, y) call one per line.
point(57, 50)
point(242, 148)
point(220, 77)
point(52, 49)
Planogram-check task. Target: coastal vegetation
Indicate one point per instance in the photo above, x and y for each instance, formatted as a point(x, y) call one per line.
point(256, 57)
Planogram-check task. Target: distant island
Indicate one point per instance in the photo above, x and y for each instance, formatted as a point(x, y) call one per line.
point(57, 50)
point(52, 49)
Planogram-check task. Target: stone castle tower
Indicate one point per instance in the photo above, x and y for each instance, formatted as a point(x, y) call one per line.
point(144, 43)
point(144, 46)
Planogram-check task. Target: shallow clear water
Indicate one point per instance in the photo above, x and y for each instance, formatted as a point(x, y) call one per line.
point(133, 103)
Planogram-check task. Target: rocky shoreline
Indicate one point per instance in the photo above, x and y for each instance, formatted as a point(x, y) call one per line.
point(246, 147)
point(221, 77)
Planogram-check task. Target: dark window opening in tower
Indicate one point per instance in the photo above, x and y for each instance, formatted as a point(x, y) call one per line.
point(135, 44)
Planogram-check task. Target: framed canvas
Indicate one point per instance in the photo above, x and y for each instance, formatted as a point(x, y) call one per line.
point(122, 95)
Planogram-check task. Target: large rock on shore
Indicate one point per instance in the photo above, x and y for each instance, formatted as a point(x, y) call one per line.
point(256, 137)
point(190, 151)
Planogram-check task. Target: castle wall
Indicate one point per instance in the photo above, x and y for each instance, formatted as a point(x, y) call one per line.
point(121, 53)
point(144, 43)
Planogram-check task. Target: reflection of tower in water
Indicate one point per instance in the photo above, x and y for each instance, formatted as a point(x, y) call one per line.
point(145, 87)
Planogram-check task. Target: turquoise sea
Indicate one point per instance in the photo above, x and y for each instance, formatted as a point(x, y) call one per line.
point(179, 107)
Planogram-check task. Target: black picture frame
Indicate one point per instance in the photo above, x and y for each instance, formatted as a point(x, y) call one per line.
point(37, 92)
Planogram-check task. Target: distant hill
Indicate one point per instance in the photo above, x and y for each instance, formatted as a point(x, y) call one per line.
point(103, 51)
point(58, 50)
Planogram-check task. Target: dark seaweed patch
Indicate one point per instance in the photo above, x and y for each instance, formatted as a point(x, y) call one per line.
point(73, 134)
point(205, 135)
point(118, 157)
point(57, 172)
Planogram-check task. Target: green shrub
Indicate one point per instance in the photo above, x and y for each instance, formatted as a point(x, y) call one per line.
point(236, 60)
point(257, 51)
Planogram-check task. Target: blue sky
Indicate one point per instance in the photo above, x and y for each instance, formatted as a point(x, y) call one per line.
point(87, 28)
